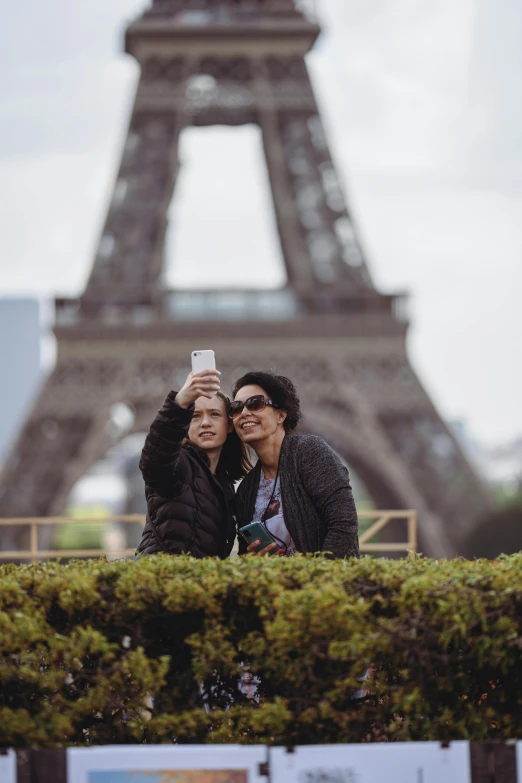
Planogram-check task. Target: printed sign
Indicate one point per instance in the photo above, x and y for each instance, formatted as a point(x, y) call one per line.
point(8, 767)
point(166, 764)
point(398, 762)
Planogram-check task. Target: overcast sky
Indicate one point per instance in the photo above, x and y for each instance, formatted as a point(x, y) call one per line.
point(421, 101)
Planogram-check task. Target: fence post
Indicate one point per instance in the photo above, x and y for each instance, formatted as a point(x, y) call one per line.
point(493, 762)
point(34, 542)
point(41, 766)
point(412, 532)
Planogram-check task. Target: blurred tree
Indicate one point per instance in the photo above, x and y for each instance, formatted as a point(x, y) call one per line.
point(81, 534)
point(500, 532)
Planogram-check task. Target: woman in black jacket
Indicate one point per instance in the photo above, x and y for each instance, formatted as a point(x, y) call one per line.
point(190, 461)
point(299, 488)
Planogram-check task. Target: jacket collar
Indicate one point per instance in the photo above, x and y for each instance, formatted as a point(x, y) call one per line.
point(220, 478)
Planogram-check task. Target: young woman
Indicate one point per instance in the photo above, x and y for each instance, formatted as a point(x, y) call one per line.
point(299, 488)
point(190, 461)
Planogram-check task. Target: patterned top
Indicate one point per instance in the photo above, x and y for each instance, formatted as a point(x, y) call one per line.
point(273, 518)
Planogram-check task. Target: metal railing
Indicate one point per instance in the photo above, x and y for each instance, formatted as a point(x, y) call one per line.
point(226, 306)
point(34, 553)
point(382, 519)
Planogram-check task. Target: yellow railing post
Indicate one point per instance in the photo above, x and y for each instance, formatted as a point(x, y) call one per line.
point(412, 533)
point(34, 542)
point(383, 518)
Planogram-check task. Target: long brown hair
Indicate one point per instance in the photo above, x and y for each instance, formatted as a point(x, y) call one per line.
point(234, 459)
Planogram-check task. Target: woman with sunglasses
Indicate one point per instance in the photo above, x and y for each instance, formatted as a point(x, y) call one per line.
point(299, 488)
point(190, 461)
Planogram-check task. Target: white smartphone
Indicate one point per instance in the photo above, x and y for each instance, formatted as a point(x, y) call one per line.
point(203, 360)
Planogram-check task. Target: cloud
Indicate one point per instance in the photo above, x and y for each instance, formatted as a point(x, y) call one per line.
point(58, 31)
point(489, 151)
point(56, 109)
point(43, 228)
point(222, 224)
point(391, 84)
point(458, 252)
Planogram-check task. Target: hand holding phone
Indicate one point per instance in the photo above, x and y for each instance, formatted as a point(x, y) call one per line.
point(257, 532)
point(203, 381)
point(203, 362)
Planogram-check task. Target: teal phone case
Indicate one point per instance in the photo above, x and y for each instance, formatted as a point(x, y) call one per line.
point(257, 530)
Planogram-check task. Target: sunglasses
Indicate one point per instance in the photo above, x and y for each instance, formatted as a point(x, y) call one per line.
point(256, 403)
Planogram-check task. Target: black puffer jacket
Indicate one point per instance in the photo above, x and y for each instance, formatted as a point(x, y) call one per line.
point(188, 508)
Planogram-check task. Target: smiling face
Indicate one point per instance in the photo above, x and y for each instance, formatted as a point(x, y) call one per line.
point(210, 425)
point(255, 426)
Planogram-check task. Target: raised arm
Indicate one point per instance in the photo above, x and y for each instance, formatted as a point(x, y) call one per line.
point(160, 458)
point(327, 483)
point(160, 462)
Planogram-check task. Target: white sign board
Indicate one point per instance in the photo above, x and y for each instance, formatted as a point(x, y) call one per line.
point(519, 762)
point(166, 764)
point(397, 762)
point(8, 767)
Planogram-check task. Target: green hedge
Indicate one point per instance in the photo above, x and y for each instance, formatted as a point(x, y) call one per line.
point(83, 645)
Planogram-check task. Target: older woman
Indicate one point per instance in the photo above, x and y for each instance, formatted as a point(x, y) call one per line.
point(299, 489)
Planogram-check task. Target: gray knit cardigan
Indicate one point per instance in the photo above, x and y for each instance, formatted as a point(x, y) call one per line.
point(318, 505)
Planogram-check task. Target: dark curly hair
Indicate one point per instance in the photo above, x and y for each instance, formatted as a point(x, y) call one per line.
point(281, 391)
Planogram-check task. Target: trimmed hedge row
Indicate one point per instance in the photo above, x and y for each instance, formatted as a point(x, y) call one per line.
point(83, 647)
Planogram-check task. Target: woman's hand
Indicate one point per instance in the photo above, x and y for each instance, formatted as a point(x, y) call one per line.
point(267, 550)
point(198, 384)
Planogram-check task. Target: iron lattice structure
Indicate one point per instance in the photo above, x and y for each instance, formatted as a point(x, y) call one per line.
point(207, 62)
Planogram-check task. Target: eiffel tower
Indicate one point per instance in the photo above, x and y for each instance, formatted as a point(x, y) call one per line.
point(233, 62)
